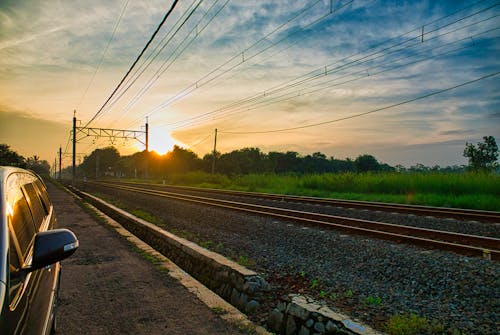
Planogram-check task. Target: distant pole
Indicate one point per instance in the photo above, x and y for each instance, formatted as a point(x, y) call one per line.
point(74, 148)
point(147, 150)
point(60, 159)
point(55, 168)
point(147, 134)
point(215, 152)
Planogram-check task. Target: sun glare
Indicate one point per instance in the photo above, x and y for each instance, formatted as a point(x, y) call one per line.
point(162, 142)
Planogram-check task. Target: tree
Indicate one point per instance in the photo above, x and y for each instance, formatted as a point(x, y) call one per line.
point(288, 162)
point(366, 163)
point(181, 160)
point(484, 156)
point(100, 162)
point(42, 167)
point(9, 157)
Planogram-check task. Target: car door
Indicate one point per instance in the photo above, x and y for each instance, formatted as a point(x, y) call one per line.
point(21, 236)
point(46, 279)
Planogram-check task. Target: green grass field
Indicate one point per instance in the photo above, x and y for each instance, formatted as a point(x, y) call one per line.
point(468, 190)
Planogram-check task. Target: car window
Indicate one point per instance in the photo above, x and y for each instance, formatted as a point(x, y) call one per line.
point(35, 204)
point(15, 278)
point(22, 224)
point(42, 192)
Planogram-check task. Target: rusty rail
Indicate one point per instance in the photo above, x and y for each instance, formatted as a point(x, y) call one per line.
point(446, 212)
point(471, 245)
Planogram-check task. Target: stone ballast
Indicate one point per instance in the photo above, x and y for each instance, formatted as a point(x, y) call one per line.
point(238, 285)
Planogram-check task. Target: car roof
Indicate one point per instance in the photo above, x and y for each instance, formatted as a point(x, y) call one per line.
point(5, 171)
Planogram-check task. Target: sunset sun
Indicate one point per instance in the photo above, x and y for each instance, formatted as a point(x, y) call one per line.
point(162, 142)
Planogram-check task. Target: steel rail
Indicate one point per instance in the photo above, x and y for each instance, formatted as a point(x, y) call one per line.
point(445, 212)
point(472, 245)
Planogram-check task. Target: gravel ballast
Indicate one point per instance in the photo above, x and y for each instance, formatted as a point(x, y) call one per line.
point(367, 278)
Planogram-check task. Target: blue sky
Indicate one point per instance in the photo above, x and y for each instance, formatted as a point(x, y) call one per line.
point(247, 67)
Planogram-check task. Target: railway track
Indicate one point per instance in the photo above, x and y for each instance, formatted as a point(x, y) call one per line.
point(471, 245)
point(444, 212)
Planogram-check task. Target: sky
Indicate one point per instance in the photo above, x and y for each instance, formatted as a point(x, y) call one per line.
point(406, 81)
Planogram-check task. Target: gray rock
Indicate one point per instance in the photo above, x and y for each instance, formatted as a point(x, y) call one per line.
point(252, 306)
point(235, 296)
point(309, 323)
point(303, 331)
point(331, 327)
point(275, 320)
point(319, 327)
point(282, 306)
point(297, 311)
point(251, 288)
point(291, 327)
point(242, 301)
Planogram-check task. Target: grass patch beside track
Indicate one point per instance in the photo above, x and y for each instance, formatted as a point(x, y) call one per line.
point(459, 190)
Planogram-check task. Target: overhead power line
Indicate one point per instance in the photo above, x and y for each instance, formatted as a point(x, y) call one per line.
point(316, 73)
point(371, 111)
point(104, 53)
point(245, 56)
point(361, 74)
point(179, 50)
point(264, 97)
point(139, 71)
point(135, 62)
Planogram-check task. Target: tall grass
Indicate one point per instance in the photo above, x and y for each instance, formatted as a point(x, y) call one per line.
point(468, 190)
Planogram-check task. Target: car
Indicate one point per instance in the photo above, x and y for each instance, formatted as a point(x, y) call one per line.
point(30, 254)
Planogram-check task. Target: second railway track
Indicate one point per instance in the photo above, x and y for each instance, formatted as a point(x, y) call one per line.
point(444, 212)
point(467, 244)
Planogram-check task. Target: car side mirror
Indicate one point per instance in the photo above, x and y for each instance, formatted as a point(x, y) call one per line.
point(53, 246)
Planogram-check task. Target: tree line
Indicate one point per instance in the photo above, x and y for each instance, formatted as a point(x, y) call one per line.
point(109, 162)
point(144, 164)
point(9, 157)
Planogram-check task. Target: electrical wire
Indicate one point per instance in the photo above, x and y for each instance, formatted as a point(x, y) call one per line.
point(155, 53)
point(371, 111)
point(192, 87)
point(104, 53)
point(364, 73)
point(200, 141)
point(320, 73)
point(165, 67)
point(202, 82)
point(135, 62)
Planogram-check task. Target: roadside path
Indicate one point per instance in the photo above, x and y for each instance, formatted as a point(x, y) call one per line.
point(108, 288)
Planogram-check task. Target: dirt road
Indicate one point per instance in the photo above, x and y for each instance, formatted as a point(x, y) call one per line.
point(108, 288)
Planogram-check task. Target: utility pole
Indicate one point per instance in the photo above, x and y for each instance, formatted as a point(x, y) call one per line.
point(215, 152)
point(146, 161)
point(60, 164)
point(147, 134)
point(74, 148)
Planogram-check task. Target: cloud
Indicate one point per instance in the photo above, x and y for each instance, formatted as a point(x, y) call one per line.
point(494, 115)
point(30, 136)
point(459, 132)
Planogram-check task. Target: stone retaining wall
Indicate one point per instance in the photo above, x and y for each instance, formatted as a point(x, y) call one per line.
point(236, 284)
point(303, 316)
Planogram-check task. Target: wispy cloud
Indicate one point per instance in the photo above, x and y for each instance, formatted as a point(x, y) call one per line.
point(49, 51)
